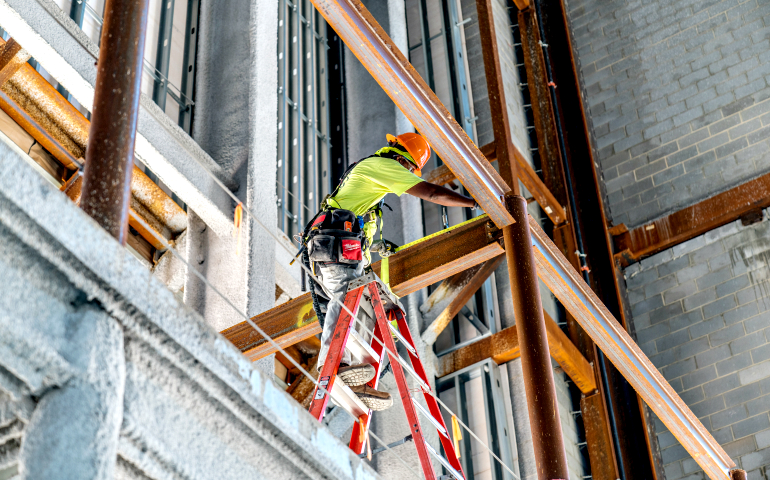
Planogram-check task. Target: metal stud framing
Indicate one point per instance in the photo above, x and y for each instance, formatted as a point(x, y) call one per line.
point(304, 149)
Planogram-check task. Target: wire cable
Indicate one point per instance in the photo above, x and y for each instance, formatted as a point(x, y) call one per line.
point(272, 342)
point(251, 214)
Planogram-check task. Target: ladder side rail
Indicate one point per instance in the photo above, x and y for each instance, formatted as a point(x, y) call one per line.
point(357, 438)
point(336, 350)
point(433, 406)
point(403, 388)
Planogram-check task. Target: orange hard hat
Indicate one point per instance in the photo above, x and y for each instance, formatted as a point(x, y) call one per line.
point(416, 146)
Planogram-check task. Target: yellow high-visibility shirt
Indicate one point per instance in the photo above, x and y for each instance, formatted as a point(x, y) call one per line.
point(369, 181)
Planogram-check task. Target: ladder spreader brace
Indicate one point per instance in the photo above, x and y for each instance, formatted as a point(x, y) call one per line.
point(386, 309)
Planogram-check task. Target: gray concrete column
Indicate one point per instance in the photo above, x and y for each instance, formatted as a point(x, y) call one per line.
point(73, 432)
point(236, 123)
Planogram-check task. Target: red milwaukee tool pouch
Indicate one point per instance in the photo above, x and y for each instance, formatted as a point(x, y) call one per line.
point(322, 248)
point(350, 250)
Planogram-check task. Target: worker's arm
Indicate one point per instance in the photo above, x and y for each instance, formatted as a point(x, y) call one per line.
point(442, 196)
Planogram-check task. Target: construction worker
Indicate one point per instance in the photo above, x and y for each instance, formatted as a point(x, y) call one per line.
point(342, 234)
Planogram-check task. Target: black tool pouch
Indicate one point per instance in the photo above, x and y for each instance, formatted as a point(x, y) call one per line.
point(323, 248)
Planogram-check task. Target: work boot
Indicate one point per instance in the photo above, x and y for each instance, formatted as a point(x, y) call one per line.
point(354, 375)
point(373, 399)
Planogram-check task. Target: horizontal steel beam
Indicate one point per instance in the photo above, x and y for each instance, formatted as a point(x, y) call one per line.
point(503, 346)
point(417, 266)
point(286, 324)
point(367, 40)
point(61, 129)
point(671, 230)
point(543, 196)
point(577, 297)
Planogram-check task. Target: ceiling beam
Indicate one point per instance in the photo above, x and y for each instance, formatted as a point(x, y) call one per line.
point(690, 222)
point(503, 346)
point(424, 263)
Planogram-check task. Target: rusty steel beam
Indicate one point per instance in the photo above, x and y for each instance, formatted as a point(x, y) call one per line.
point(557, 273)
point(542, 109)
point(496, 94)
point(57, 115)
point(411, 269)
point(367, 40)
point(539, 386)
point(690, 222)
point(550, 205)
point(598, 437)
point(62, 130)
point(110, 153)
point(521, 4)
point(31, 125)
point(503, 346)
point(12, 58)
point(147, 225)
point(455, 292)
point(442, 256)
point(287, 324)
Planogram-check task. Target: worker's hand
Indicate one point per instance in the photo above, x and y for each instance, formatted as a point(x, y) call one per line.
point(384, 248)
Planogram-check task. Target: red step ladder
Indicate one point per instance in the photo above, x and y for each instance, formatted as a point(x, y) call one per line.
point(386, 309)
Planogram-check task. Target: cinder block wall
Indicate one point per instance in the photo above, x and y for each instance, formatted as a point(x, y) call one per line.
point(676, 98)
point(702, 314)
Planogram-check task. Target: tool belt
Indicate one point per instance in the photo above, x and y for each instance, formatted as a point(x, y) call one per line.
point(335, 238)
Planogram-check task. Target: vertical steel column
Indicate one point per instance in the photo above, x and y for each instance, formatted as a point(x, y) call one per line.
point(188, 63)
point(163, 53)
point(496, 94)
point(78, 11)
point(539, 385)
point(738, 474)
point(110, 153)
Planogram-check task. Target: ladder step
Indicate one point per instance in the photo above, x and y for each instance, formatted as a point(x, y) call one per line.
point(430, 417)
point(443, 461)
point(377, 450)
point(361, 349)
point(343, 396)
point(402, 340)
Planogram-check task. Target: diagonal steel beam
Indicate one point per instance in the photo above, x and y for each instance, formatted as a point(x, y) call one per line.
point(565, 283)
point(382, 58)
point(449, 298)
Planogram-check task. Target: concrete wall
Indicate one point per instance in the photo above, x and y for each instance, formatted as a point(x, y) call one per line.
point(700, 311)
point(236, 123)
point(675, 95)
point(104, 373)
